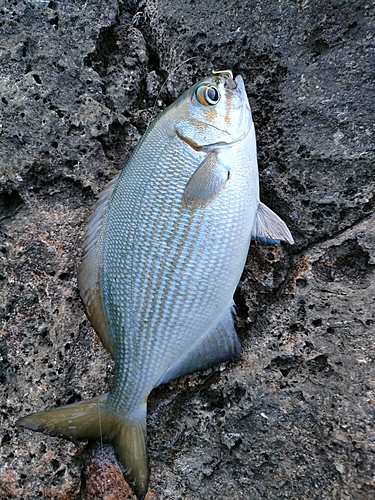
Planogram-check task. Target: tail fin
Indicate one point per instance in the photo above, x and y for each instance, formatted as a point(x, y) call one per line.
point(96, 418)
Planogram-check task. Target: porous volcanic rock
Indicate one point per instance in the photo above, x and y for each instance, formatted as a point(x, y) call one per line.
point(292, 418)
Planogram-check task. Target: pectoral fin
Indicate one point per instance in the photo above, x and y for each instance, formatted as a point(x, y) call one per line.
point(269, 228)
point(218, 345)
point(206, 182)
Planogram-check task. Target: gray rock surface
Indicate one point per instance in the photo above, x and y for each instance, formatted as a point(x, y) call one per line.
point(293, 418)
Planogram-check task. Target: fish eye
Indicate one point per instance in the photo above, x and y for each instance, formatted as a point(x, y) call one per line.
point(208, 95)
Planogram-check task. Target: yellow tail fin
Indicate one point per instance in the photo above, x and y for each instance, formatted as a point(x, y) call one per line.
point(94, 419)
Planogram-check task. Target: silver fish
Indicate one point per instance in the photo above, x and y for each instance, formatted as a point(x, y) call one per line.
point(164, 252)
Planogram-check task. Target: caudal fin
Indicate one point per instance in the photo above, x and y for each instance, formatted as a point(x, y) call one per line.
point(94, 419)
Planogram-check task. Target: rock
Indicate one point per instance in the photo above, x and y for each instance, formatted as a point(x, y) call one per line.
point(293, 416)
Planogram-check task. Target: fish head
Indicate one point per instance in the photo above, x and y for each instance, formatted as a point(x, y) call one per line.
point(214, 113)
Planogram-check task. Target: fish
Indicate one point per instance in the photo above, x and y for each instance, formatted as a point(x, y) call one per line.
point(164, 251)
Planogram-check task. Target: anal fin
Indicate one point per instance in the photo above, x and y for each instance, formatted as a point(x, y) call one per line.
point(218, 345)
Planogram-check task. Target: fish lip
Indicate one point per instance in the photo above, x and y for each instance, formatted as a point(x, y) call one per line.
point(246, 110)
point(240, 84)
point(240, 87)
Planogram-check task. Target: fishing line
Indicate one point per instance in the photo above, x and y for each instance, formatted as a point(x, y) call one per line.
point(166, 80)
point(101, 446)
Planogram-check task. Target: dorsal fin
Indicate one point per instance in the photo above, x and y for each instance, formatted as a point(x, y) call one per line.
point(89, 271)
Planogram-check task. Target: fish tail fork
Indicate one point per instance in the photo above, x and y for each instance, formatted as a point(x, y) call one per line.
point(94, 419)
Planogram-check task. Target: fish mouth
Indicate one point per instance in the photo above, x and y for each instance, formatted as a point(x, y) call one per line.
point(229, 82)
point(227, 75)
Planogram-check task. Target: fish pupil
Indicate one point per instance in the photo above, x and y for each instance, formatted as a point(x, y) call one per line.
point(212, 95)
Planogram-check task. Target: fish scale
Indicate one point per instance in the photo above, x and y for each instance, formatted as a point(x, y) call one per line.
point(164, 251)
point(182, 226)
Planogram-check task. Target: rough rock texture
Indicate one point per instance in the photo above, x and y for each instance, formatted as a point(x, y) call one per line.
point(293, 417)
